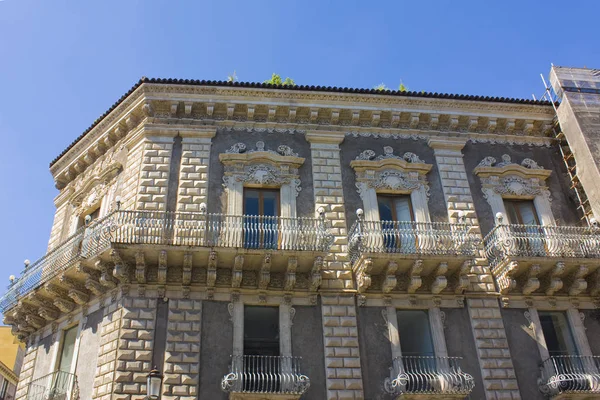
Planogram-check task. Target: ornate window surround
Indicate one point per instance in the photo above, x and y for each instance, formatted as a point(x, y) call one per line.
point(391, 174)
point(261, 168)
point(508, 180)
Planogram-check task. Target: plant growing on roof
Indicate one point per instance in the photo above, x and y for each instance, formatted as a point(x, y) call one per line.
point(276, 80)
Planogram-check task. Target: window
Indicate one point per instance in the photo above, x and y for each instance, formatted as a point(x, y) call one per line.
point(261, 331)
point(557, 333)
point(415, 333)
point(521, 212)
point(261, 212)
point(93, 216)
point(397, 228)
point(261, 348)
point(531, 237)
point(3, 389)
point(67, 350)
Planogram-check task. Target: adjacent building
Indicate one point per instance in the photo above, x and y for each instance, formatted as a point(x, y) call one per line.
point(252, 241)
point(11, 360)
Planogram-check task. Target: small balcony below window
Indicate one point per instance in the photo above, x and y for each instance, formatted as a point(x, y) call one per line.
point(58, 385)
point(428, 377)
point(530, 258)
point(265, 377)
point(381, 250)
point(570, 377)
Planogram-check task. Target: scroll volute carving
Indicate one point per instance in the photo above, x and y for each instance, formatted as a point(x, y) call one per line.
point(390, 172)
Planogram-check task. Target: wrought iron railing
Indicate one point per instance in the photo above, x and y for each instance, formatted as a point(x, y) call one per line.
point(541, 241)
point(570, 374)
point(58, 385)
point(408, 237)
point(172, 229)
point(265, 374)
point(428, 375)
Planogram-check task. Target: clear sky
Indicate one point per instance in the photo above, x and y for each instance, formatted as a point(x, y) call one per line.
point(63, 63)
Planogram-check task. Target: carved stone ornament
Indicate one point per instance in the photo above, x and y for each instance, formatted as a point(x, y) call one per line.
point(509, 179)
point(390, 173)
point(261, 167)
point(89, 188)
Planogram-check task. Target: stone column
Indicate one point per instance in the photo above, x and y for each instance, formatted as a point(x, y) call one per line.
point(342, 359)
point(486, 321)
point(194, 169)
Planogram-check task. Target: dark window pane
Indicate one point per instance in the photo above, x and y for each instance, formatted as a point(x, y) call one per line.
point(557, 333)
point(261, 330)
point(385, 209)
point(415, 333)
point(251, 202)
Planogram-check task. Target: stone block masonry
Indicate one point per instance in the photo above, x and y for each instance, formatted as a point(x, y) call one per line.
point(342, 358)
point(193, 175)
point(135, 347)
point(154, 176)
point(340, 332)
point(457, 193)
point(182, 355)
point(131, 177)
point(497, 371)
point(26, 372)
point(107, 353)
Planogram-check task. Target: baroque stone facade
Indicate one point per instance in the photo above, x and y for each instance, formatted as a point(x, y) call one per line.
point(253, 243)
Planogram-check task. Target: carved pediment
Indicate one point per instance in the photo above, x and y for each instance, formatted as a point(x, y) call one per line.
point(261, 167)
point(389, 172)
point(509, 179)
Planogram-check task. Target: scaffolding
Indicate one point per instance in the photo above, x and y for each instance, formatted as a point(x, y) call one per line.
point(567, 155)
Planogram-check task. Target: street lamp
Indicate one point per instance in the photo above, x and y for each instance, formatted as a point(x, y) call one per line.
point(154, 383)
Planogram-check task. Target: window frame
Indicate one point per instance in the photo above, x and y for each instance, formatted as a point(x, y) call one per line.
point(393, 198)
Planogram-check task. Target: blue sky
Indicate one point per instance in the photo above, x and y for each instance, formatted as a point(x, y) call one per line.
point(63, 63)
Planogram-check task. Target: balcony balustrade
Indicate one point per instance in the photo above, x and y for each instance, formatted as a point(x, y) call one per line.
point(252, 236)
point(426, 377)
point(279, 376)
point(570, 377)
point(418, 249)
point(58, 385)
point(521, 254)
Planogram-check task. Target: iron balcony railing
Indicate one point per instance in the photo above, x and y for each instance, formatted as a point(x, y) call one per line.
point(428, 375)
point(58, 385)
point(408, 237)
point(570, 374)
point(172, 229)
point(541, 241)
point(265, 374)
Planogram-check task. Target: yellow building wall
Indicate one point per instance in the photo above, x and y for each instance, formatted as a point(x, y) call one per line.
point(9, 347)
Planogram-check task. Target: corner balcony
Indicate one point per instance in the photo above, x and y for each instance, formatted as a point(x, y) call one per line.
point(428, 377)
point(570, 377)
point(58, 385)
point(545, 259)
point(211, 250)
point(384, 253)
point(265, 377)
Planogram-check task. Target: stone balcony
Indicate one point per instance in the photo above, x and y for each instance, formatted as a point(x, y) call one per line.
point(531, 259)
point(412, 256)
point(570, 377)
point(160, 248)
point(265, 377)
point(428, 377)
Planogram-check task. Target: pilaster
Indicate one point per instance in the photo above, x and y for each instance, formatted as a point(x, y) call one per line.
point(154, 176)
point(193, 175)
point(497, 371)
point(182, 355)
point(26, 372)
point(107, 353)
point(342, 356)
